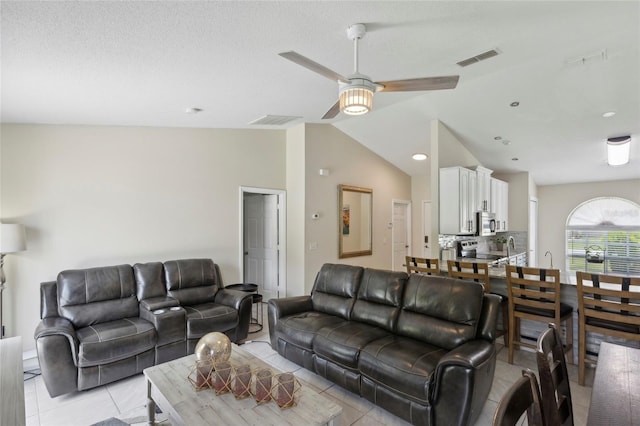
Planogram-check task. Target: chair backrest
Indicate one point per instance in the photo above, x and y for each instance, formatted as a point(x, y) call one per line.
point(422, 265)
point(478, 272)
point(609, 304)
point(554, 378)
point(523, 396)
point(533, 289)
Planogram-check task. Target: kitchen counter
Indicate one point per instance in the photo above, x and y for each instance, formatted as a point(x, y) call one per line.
point(496, 266)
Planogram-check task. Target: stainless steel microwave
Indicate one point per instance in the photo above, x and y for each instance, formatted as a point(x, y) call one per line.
point(485, 224)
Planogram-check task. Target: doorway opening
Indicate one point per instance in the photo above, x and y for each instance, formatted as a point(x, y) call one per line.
point(263, 240)
point(401, 233)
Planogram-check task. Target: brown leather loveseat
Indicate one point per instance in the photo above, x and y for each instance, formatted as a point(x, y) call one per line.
point(421, 347)
point(103, 324)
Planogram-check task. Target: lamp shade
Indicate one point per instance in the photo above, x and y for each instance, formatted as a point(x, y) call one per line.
point(618, 150)
point(12, 238)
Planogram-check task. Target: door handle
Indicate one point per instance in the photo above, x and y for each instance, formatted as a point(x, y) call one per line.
point(246, 253)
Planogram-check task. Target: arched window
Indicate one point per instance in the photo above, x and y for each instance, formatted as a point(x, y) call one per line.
point(603, 236)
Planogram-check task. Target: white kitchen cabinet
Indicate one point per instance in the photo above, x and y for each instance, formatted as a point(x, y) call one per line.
point(483, 189)
point(500, 203)
point(457, 200)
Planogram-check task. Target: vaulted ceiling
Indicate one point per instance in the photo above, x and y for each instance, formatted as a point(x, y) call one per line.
point(145, 63)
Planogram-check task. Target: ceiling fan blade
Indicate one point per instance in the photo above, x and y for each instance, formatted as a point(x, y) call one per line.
point(414, 84)
point(313, 66)
point(333, 111)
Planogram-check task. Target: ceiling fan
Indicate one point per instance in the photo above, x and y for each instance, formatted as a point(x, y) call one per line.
point(356, 91)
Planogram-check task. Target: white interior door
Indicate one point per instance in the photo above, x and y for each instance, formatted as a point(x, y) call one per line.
point(426, 229)
point(261, 242)
point(401, 233)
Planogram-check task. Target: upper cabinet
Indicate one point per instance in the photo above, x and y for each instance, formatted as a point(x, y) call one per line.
point(500, 203)
point(457, 200)
point(463, 192)
point(483, 192)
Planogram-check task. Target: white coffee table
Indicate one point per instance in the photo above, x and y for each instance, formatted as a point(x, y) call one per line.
point(169, 388)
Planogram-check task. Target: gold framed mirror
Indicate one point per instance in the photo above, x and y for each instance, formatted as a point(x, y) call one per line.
point(355, 207)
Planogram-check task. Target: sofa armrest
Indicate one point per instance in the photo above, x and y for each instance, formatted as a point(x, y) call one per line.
point(58, 326)
point(289, 306)
point(231, 298)
point(278, 308)
point(241, 301)
point(57, 348)
point(160, 302)
point(463, 378)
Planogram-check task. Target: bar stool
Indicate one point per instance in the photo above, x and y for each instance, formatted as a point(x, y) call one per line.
point(479, 272)
point(422, 265)
point(608, 305)
point(534, 294)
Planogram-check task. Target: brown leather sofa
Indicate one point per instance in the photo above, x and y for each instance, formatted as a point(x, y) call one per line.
point(102, 324)
point(419, 346)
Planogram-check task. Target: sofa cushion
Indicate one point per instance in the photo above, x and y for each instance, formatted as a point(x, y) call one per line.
point(335, 289)
point(149, 280)
point(379, 298)
point(95, 295)
point(114, 341)
point(301, 329)
point(208, 317)
point(402, 364)
point(191, 281)
point(441, 311)
point(341, 343)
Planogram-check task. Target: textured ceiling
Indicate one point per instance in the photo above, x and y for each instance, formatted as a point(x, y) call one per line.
point(144, 63)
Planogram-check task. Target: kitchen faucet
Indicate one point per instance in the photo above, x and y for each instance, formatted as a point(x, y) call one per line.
point(510, 242)
point(550, 254)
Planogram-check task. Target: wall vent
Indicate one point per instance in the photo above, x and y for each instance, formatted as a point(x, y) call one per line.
point(274, 120)
point(480, 57)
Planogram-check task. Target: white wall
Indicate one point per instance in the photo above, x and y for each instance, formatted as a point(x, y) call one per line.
point(295, 210)
point(555, 203)
point(92, 196)
point(349, 163)
point(420, 191)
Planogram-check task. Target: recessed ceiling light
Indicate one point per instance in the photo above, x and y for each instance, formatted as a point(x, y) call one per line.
point(514, 104)
point(515, 159)
point(192, 110)
point(497, 138)
point(609, 114)
point(419, 156)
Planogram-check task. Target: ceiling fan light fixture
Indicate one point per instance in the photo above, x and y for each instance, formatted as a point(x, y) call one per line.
point(356, 100)
point(618, 150)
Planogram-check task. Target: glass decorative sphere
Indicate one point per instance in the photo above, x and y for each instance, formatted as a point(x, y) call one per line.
point(214, 347)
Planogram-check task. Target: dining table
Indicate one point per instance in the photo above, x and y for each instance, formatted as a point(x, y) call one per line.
point(615, 396)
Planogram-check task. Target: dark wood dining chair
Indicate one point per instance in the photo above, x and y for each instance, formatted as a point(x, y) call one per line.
point(422, 265)
point(479, 272)
point(522, 397)
point(534, 294)
point(555, 390)
point(608, 305)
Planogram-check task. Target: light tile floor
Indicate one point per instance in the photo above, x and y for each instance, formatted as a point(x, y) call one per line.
point(126, 399)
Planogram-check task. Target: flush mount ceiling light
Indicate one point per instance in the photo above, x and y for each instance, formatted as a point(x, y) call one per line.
point(618, 150)
point(419, 156)
point(608, 114)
